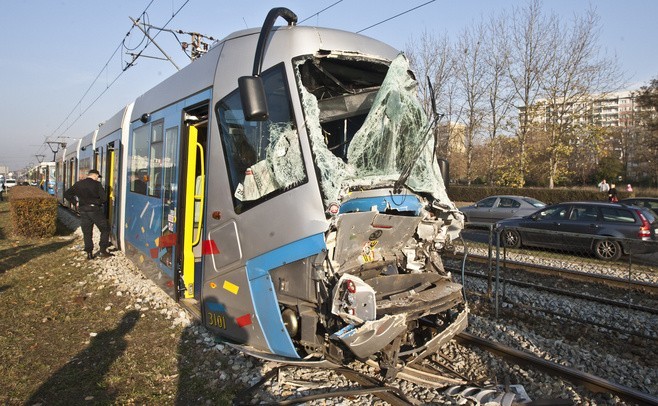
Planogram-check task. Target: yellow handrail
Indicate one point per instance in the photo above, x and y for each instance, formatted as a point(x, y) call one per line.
point(201, 197)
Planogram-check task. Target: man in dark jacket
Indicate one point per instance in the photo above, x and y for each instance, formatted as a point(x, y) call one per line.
point(91, 196)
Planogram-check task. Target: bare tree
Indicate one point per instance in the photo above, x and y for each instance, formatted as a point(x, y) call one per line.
point(430, 57)
point(529, 55)
point(470, 71)
point(575, 73)
point(500, 92)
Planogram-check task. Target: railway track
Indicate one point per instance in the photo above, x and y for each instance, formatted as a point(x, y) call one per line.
point(592, 288)
point(591, 382)
point(424, 376)
point(568, 274)
point(432, 376)
point(598, 299)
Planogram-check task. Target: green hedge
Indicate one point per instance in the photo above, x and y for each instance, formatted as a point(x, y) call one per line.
point(33, 212)
point(549, 196)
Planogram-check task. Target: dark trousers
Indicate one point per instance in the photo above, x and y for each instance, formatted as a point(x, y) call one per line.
point(87, 221)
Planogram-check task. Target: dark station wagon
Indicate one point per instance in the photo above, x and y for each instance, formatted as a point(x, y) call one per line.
point(647, 202)
point(606, 229)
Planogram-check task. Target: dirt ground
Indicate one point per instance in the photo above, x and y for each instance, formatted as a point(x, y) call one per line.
point(67, 339)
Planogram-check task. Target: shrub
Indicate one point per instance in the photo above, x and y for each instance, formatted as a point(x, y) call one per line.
point(33, 212)
point(546, 195)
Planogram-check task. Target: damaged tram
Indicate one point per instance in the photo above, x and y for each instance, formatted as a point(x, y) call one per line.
point(329, 149)
point(284, 188)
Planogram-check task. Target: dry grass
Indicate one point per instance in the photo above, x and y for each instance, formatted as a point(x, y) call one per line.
point(67, 340)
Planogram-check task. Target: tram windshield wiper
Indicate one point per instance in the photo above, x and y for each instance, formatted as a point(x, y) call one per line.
point(409, 165)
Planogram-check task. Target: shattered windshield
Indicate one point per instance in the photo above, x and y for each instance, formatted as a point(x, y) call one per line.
point(366, 127)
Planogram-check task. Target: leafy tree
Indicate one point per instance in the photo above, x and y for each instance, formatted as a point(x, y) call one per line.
point(610, 168)
point(507, 172)
point(648, 100)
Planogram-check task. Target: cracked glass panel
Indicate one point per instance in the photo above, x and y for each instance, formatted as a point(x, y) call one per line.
point(263, 158)
point(366, 128)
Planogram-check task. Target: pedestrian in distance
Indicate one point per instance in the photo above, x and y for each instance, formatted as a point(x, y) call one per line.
point(612, 194)
point(604, 187)
point(90, 197)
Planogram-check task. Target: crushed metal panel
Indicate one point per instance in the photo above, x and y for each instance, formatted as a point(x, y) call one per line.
point(354, 300)
point(369, 236)
point(372, 336)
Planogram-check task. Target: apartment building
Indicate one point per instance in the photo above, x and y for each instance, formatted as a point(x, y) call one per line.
point(608, 110)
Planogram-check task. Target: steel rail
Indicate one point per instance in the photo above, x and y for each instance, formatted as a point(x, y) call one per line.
point(591, 382)
point(647, 287)
point(368, 386)
point(422, 377)
point(597, 299)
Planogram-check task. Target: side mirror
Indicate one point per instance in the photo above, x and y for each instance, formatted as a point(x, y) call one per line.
point(252, 91)
point(252, 96)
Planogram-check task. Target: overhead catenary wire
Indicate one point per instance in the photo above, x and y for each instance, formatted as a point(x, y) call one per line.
point(122, 45)
point(104, 69)
point(396, 16)
point(156, 35)
point(321, 11)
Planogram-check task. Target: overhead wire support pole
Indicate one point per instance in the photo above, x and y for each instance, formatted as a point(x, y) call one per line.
point(135, 56)
point(54, 147)
point(137, 24)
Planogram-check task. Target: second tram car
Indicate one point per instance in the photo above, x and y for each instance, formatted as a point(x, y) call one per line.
point(282, 188)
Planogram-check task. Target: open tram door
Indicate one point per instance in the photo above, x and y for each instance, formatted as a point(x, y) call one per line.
point(192, 205)
point(111, 187)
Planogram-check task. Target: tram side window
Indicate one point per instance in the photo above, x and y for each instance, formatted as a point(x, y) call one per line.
point(84, 167)
point(154, 180)
point(263, 157)
point(139, 159)
point(169, 168)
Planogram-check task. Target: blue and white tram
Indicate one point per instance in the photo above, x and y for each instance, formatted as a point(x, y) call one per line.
point(43, 176)
point(283, 188)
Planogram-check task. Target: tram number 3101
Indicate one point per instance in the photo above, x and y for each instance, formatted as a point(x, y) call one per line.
point(216, 320)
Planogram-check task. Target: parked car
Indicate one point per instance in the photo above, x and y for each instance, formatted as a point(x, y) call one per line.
point(10, 183)
point(650, 203)
point(494, 208)
point(606, 229)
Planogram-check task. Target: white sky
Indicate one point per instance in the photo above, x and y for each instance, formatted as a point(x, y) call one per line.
point(54, 49)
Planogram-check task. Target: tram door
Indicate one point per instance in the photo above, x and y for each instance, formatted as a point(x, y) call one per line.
point(112, 177)
point(193, 203)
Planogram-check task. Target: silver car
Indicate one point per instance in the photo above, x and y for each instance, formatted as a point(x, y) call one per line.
point(494, 208)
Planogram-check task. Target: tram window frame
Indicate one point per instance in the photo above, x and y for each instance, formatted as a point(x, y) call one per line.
point(246, 144)
point(84, 166)
point(140, 143)
point(170, 164)
point(156, 151)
